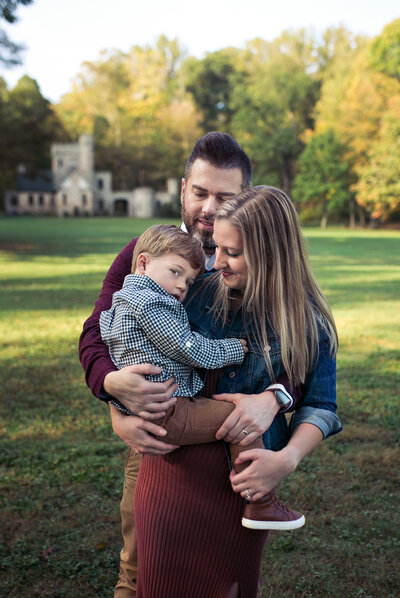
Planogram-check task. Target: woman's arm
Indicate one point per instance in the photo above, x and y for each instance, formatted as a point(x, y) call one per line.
point(268, 468)
point(253, 413)
point(317, 405)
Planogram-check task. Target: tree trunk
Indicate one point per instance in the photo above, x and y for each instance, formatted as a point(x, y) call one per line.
point(324, 219)
point(286, 179)
point(352, 213)
point(363, 217)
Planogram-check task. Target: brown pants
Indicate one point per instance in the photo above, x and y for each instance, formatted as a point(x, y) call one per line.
point(196, 421)
point(126, 586)
point(189, 421)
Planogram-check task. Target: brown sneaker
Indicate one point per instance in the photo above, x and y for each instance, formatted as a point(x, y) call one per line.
point(270, 513)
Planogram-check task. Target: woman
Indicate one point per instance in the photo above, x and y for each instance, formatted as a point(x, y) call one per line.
point(190, 540)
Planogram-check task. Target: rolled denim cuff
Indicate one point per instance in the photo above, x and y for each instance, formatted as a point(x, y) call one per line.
point(327, 421)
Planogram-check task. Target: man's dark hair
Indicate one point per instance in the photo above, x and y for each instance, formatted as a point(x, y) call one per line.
point(221, 151)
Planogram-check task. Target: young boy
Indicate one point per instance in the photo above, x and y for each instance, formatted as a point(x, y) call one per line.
point(148, 323)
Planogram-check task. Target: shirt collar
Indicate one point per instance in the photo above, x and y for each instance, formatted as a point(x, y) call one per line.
point(141, 281)
point(210, 259)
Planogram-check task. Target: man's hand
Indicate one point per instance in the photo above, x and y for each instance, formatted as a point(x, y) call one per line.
point(253, 413)
point(137, 434)
point(149, 400)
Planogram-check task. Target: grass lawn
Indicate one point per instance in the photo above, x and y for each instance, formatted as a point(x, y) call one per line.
point(61, 465)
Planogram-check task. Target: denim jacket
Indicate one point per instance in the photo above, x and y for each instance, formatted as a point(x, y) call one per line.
point(318, 406)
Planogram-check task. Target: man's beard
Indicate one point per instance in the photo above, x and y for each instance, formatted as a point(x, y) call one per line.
point(204, 237)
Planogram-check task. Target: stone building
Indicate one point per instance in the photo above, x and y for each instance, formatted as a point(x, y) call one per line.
point(74, 188)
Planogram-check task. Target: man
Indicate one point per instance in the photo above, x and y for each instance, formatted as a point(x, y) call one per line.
point(216, 170)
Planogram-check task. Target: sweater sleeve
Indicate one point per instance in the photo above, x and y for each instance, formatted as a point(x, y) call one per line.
point(93, 353)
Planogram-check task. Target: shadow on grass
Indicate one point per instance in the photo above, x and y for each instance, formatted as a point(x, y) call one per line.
point(72, 291)
point(26, 238)
point(76, 290)
point(61, 482)
point(368, 388)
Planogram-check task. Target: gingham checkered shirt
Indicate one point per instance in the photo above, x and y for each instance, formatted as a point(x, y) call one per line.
point(147, 325)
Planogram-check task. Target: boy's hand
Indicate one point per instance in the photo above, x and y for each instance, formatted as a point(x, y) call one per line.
point(244, 343)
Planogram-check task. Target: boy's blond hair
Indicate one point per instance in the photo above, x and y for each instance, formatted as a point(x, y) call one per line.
point(162, 239)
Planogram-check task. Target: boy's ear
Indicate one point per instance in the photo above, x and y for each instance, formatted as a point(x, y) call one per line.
point(141, 263)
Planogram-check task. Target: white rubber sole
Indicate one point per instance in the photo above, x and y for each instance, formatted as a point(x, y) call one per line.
point(282, 525)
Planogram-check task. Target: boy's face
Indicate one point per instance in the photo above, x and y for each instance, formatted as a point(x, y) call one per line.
point(171, 271)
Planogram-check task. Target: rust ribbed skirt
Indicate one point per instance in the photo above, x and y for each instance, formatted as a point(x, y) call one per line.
point(191, 543)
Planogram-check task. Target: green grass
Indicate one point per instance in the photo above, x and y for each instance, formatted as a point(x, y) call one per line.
point(61, 465)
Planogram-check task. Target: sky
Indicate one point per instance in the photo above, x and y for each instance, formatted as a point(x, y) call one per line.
point(61, 34)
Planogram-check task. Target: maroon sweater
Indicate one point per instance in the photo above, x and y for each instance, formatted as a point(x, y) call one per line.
point(93, 353)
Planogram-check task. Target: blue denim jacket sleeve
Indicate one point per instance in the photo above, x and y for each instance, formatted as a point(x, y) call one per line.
point(327, 421)
point(319, 405)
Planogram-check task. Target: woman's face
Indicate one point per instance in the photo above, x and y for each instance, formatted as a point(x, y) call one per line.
point(229, 257)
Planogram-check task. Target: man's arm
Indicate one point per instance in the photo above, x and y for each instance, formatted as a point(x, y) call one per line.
point(93, 353)
point(128, 385)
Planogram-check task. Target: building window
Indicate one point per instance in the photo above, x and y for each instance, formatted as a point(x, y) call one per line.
point(64, 199)
point(14, 200)
point(60, 163)
point(31, 200)
point(41, 202)
point(100, 183)
point(100, 205)
point(84, 200)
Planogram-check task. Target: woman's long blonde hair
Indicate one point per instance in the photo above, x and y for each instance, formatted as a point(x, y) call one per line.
point(281, 288)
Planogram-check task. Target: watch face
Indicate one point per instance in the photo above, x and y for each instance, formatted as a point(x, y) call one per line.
point(282, 398)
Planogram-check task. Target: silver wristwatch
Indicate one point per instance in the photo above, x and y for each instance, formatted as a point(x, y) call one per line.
point(283, 397)
point(284, 401)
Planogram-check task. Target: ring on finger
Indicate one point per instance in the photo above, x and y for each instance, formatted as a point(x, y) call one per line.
point(244, 431)
point(248, 494)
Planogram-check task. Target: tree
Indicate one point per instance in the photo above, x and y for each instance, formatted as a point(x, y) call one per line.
point(31, 125)
point(322, 183)
point(352, 103)
point(385, 50)
point(275, 106)
point(10, 51)
point(136, 107)
point(378, 188)
point(211, 81)
point(28, 127)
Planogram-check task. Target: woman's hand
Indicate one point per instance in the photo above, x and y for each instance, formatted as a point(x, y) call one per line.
point(253, 413)
point(268, 468)
point(149, 400)
point(137, 434)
